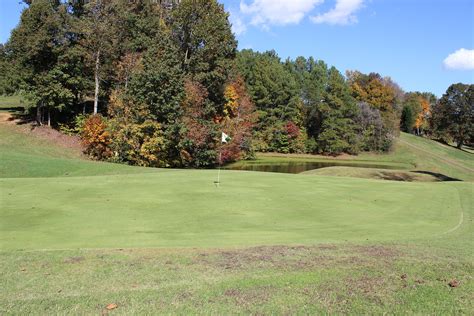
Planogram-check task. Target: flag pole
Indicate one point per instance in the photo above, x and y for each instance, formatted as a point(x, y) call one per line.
point(224, 139)
point(219, 170)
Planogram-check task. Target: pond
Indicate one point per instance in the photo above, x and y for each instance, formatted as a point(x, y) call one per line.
point(300, 166)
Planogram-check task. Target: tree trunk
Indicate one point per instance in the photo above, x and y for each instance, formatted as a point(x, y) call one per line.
point(49, 117)
point(460, 143)
point(38, 115)
point(96, 75)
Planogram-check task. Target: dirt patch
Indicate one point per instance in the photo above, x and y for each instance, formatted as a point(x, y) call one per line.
point(339, 295)
point(327, 247)
point(73, 260)
point(278, 257)
point(370, 287)
point(378, 252)
point(365, 285)
point(7, 118)
point(183, 297)
point(294, 258)
point(249, 297)
point(58, 138)
point(454, 283)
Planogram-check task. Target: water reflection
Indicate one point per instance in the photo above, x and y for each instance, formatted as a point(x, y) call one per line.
point(298, 167)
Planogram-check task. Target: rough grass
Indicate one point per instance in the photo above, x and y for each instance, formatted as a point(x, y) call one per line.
point(170, 242)
point(349, 279)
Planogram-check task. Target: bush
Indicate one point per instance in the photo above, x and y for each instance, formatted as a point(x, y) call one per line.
point(95, 137)
point(138, 144)
point(75, 127)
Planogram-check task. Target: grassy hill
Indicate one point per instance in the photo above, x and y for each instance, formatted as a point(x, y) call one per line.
point(77, 235)
point(25, 155)
point(414, 157)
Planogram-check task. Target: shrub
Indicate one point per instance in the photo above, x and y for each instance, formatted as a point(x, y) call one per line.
point(75, 127)
point(95, 137)
point(138, 144)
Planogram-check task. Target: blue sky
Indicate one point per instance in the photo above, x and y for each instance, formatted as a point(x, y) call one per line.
point(423, 45)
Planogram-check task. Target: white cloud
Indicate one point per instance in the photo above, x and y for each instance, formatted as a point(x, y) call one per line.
point(277, 12)
point(238, 25)
point(342, 14)
point(462, 59)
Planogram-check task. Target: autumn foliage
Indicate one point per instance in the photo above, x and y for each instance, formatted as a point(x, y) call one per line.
point(422, 118)
point(95, 137)
point(239, 116)
point(198, 141)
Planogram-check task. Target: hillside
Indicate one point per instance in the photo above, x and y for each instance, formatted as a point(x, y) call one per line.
point(28, 153)
point(426, 160)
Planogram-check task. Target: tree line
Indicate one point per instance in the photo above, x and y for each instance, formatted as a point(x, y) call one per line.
point(154, 82)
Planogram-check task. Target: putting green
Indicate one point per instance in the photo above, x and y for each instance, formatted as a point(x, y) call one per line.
point(184, 209)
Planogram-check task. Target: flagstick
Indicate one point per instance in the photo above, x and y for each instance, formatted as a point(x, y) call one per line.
point(219, 170)
point(224, 139)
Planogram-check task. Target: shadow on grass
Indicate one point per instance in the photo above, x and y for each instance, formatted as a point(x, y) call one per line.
point(14, 109)
point(465, 148)
point(438, 176)
point(18, 115)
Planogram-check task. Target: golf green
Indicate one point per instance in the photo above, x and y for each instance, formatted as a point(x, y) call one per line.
point(184, 208)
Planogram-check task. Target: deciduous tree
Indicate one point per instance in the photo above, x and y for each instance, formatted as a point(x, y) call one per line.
point(453, 115)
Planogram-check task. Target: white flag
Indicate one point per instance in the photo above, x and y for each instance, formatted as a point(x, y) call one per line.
point(225, 138)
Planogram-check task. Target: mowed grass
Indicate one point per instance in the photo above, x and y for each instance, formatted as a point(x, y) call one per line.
point(185, 209)
point(77, 235)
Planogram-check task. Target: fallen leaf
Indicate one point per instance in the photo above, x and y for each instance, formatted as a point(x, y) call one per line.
point(111, 306)
point(454, 283)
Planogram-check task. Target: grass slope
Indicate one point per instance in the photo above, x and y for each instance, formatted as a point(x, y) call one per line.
point(262, 243)
point(23, 155)
point(410, 153)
